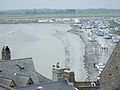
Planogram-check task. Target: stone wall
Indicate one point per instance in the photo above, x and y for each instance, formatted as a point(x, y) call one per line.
point(110, 76)
point(88, 88)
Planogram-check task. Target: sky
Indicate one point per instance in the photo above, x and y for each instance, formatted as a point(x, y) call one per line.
point(58, 4)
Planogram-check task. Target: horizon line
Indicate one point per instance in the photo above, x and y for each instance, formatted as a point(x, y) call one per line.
point(57, 8)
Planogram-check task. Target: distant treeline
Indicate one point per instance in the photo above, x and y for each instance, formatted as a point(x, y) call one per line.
point(59, 11)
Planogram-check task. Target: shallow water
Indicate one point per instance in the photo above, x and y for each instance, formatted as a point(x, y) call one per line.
point(36, 41)
point(40, 42)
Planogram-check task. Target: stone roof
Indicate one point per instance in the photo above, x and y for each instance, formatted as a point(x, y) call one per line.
point(22, 80)
point(42, 79)
point(6, 81)
point(21, 69)
point(56, 85)
point(4, 87)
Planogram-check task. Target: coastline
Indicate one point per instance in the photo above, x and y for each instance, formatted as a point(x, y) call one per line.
point(79, 51)
point(74, 53)
point(90, 56)
point(94, 53)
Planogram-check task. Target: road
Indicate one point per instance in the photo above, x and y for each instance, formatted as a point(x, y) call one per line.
point(95, 52)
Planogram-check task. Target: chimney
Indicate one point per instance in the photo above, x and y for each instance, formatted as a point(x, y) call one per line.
point(69, 75)
point(6, 53)
point(57, 72)
point(61, 73)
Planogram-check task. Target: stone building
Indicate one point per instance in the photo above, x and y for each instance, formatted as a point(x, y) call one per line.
point(110, 76)
point(62, 73)
point(6, 53)
point(18, 72)
point(55, 85)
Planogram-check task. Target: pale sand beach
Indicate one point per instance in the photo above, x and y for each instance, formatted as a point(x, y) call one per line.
point(75, 53)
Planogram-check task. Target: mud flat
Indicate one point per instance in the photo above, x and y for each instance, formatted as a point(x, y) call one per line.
point(91, 56)
point(74, 53)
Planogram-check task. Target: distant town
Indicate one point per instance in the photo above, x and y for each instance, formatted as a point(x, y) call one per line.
point(60, 11)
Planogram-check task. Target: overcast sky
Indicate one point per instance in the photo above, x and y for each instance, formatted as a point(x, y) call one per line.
point(58, 4)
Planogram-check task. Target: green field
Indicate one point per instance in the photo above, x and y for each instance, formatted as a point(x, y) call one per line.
point(114, 23)
point(37, 16)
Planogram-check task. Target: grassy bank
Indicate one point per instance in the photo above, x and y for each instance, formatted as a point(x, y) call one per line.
point(113, 23)
point(36, 16)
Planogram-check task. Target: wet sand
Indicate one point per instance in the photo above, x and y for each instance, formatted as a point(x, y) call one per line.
point(47, 44)
point(74, 53)
point(36, 41)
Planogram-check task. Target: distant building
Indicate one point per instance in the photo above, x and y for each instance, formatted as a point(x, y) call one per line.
point(110, 76)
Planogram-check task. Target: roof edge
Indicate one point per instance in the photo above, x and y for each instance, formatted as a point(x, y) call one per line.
point(1, 60)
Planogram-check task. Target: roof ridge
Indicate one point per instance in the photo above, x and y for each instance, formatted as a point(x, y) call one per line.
point(22, 75)
point(1, 60)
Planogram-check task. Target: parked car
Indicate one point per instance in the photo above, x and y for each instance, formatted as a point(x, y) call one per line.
point(100, 33)
point(92, 38)
point(107, 36)
point(100, 66)
point(115, 39)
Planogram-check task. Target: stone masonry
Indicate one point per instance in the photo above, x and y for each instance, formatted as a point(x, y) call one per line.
point(110, 76)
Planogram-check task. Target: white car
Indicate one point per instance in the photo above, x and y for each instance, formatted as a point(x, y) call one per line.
point(107, 36)
point(115, 39)
point(92, 39)
point(100, 66)
point(100, 33)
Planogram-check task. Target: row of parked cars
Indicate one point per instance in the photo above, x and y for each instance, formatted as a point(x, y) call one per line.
point(99, 67)
point(114, 38)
